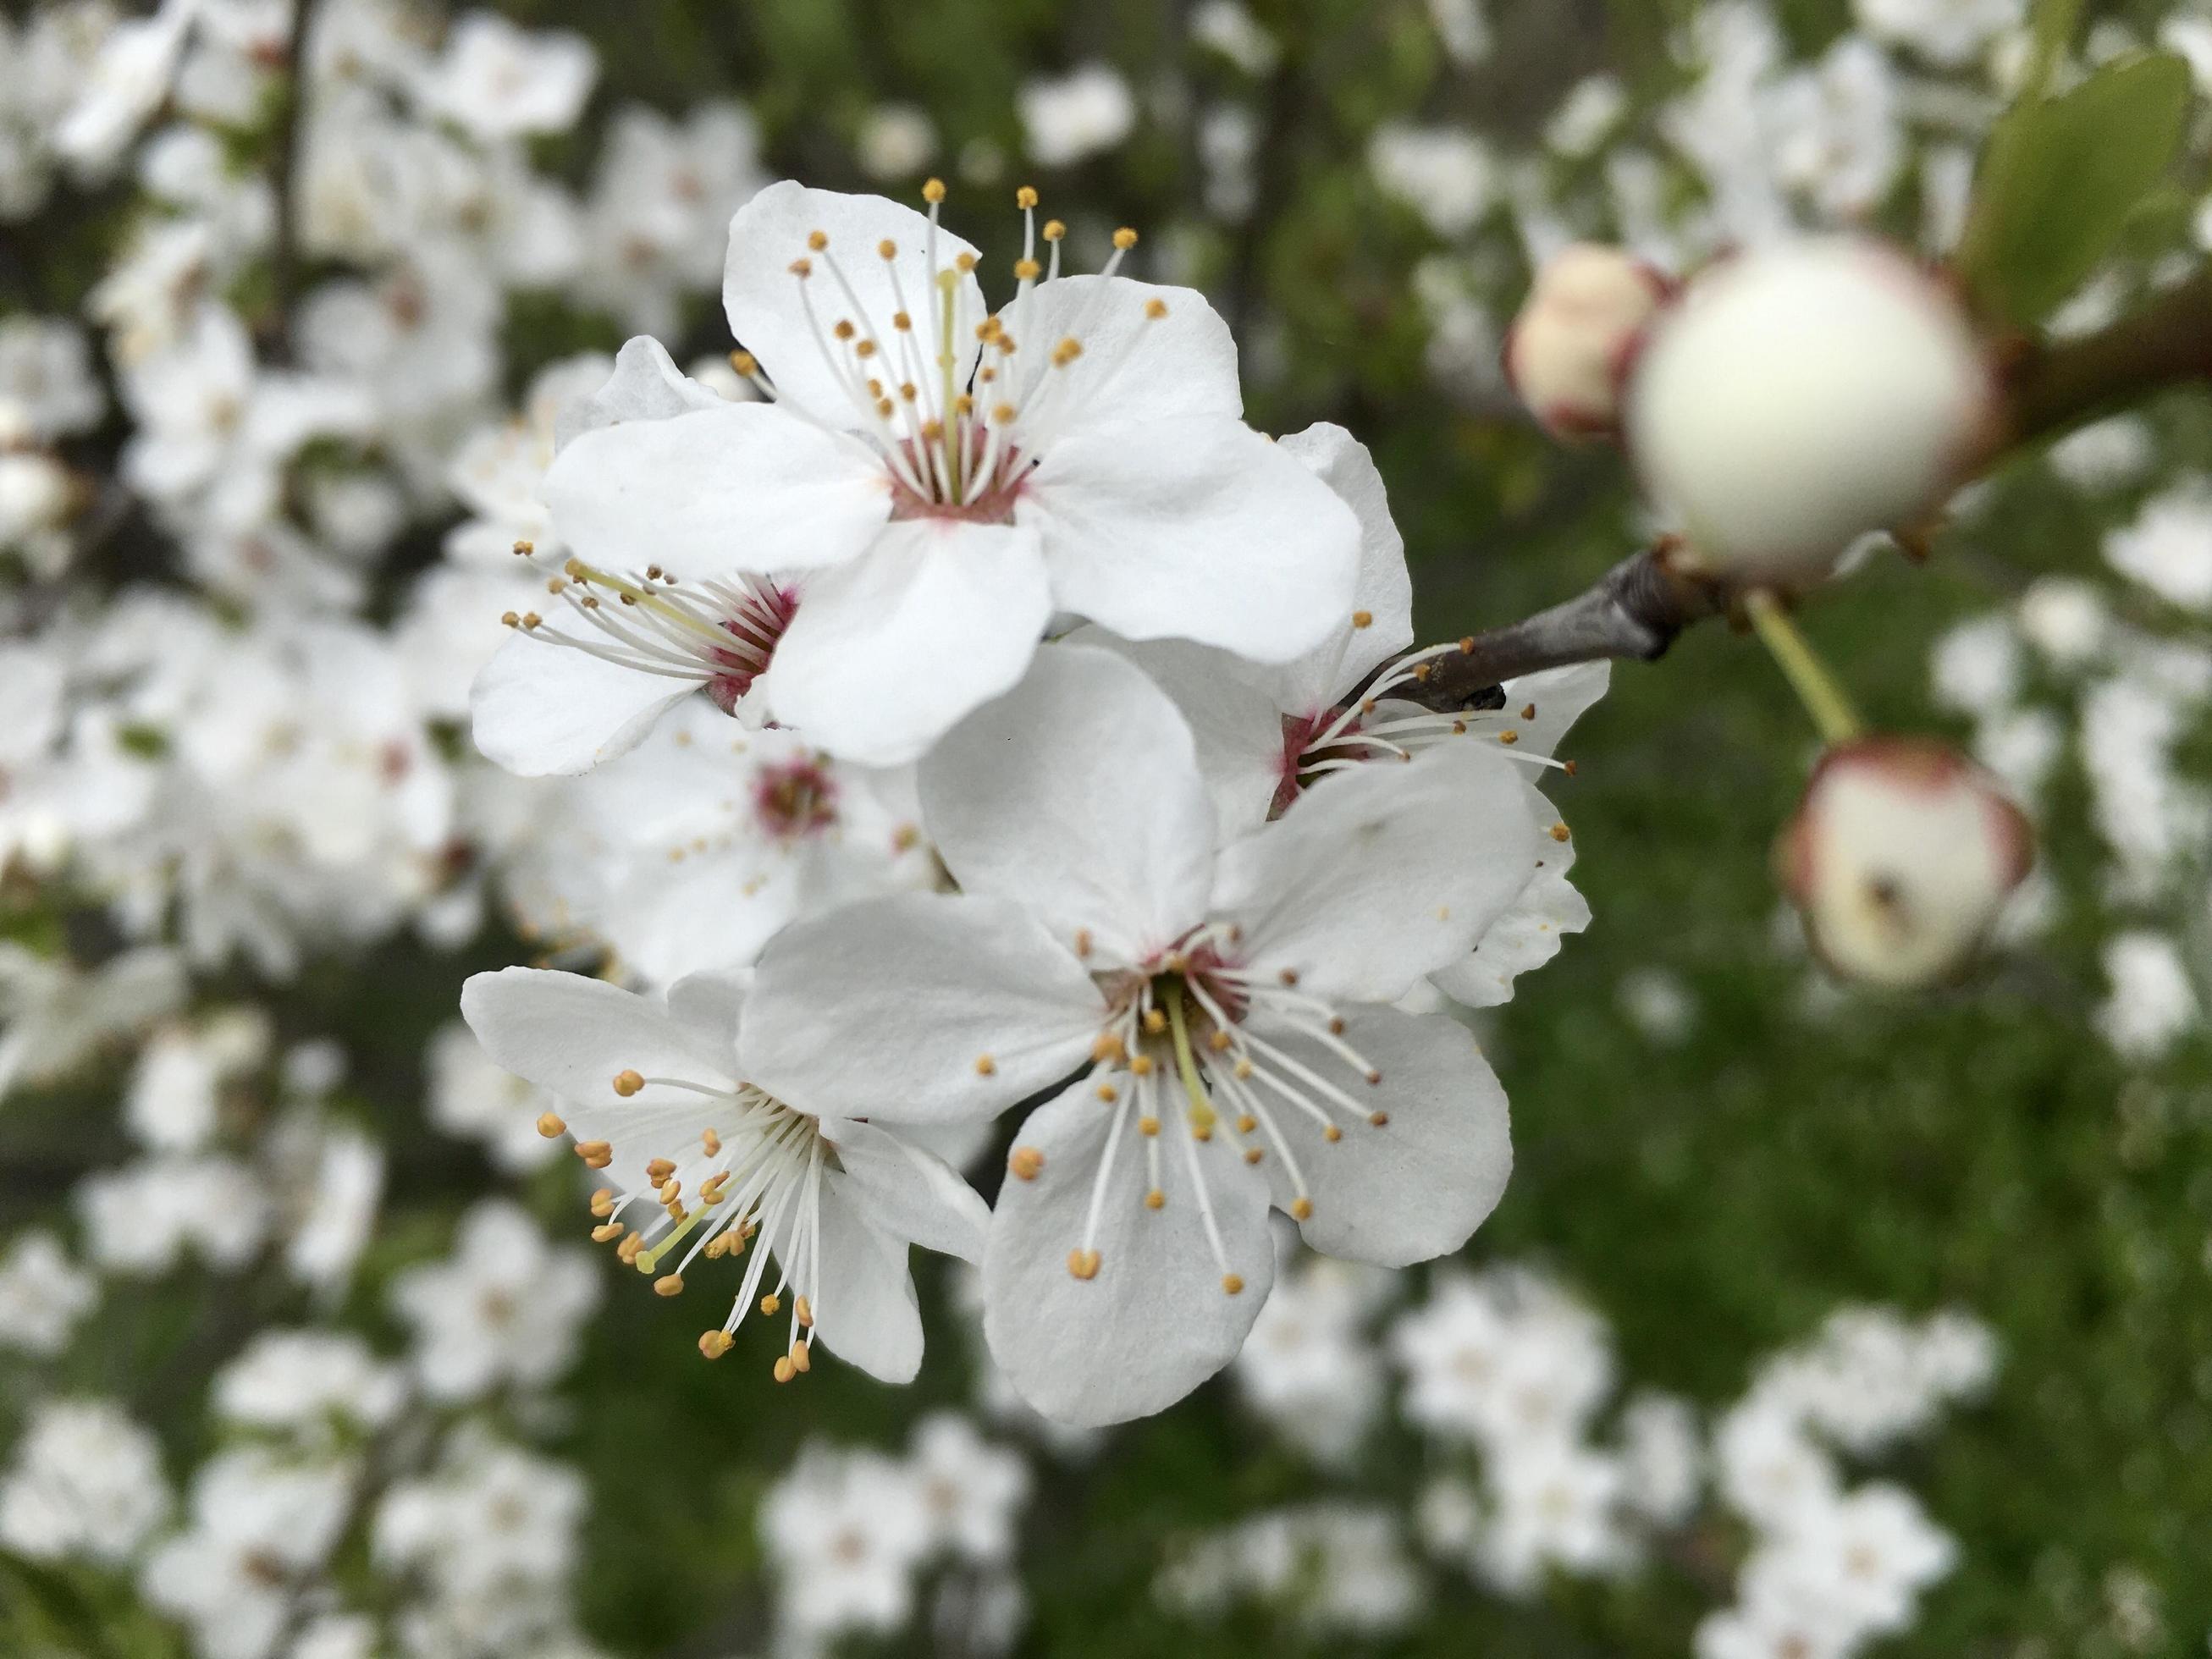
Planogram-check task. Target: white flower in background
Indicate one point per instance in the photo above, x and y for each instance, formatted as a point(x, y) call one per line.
point(83, 1480)
point(495, 81)
point(505, 1307)
point(948, 480)
point(1227, 27)
point(57, 1014)
point(1502, 1360)
point(1443, 173)
point(2104, 455)
point(339, 1184)
point(709, 838)
point(1977, 669)
point(1328, 1568)
point(260, 1525)
point(1231, 1011)
point(894, 143)
point(1838, 134)
point(127, 80)
point(493, 1532)
point(1587, 115)
point(1076, 116)
point(2168, 547)
point(43, 1295)
point(1577, 335)
point(1796, 398)
point(475, 1098)
point(658, 217)
point(172, 1101)
point(845, 1532)
point(1310, 1368)
point(1769, 1470)
point(142, 1220)
point(1659, 1005)
point(47, 386)
point(2155, 1002)
point(1900, 858)
point(1950, 33)
point(702, 1162)
point(1856, 1563)
point(1662, 1458)
point(1463, 28)
point(973, 1491)
point(309, 1382)
point(2067, 620)
point(1554, 1504)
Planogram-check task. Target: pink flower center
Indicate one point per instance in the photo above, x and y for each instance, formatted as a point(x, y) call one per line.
point(795, 799)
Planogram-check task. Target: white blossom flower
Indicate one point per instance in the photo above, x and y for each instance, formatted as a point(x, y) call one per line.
point(895, 142)
point(2155, 1002)
point(658, 212)
point(140, 1220)
point(973, 1491)
point(1445, 174)
point(506, 1307)
point(704, 1163)
point(2168, 547)
point(947, 479)
point(1309, 1366)
point(1229, 1010)
point(1946, 32)
point(127, 82)
point(308, 1381)
point(845, 1532)
point(495, 81)
point(47, 386)
point(1072, 118)
point(42, 1294)
point(84, 1481)
point(1556, 1503)
point(473, 1096)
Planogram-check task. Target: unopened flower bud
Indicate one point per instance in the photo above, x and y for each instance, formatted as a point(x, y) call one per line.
point(1796, 398)
point(1900, 858)
point(1578, 333)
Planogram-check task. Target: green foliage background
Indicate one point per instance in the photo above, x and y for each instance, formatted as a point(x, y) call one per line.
point(1714, 1200)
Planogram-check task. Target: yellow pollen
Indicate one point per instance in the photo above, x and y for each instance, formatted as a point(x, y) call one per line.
point(1200, 1129)
point(596, 1154)
point(531, 619)
point(1155, 309)
point(1253, 1154)
point(802, 269)
point(607, 1233)
point(844, 329)
point(1332, 1134)
point(1108, 1048)
point(712, 1345)
point(1155, 1200)
point(669, 1284)
point(658, 1170)
point(1301, 1209)
point(800, 1360)
point(888, 248)
point(628, 1251)
point(784, 1371)
point(1232, 1283)
point(985, 1066)
point(1027, 270)
point(1141, 1064)
point(1243, 1070)
point(1026, 1162)
point(1155, 1021)
point(1509, 737)
point(817, 240)
point(1379, 1118)
point(1003, 415)
point(771, 1304)
point(712, 1142)
point(1528, 712)
point(1067, 352)
point(865, 349)
point(1148, 1125)
point(745, 363)
point(628, 1083)
point(801, 1312)
point(719, 1245)
point(551, 1126)
point(1054, 230)
point(1247, 1123)
point(1363, 619)
point(1125, 238)
point(964, 404)
point(932, 190)
point(602, 1202)
point(1026, 198)
point(1084, 1264)
point(908, 391)
point(524, 550)
point(513, 619)
point(965, 263)
point(1219, 1041)
point(902, 322)
point(1559, 831)
point(1109, 1093)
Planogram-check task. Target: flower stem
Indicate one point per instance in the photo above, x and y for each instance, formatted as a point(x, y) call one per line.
point(1201, 1109)
point(1825, 700)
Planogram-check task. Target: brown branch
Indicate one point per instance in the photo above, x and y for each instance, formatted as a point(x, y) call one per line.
point(1637, 608)
point(284, 168)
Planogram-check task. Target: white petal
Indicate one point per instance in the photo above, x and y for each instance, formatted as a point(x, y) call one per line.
point(539, 710)
point(1133, 367)
point(710, 1004)
point(645, 385)
point(1419, 1185)
point(741, 487)
point(1079, 796)
point(572, 1036)
point(886, 654)
point(1155, 1321)
point(888, 1009)
point(1527, 936)
point(908, 1193)
point(863, 1303)
point(1237, 729)
point(1196, 528)
point(762, 295)
point(1382, 590)
point(1560, 696)
point(1382, 874)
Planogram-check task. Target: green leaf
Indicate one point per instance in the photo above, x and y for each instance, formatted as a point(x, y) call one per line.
point(2054, 24)
point(2060, 179)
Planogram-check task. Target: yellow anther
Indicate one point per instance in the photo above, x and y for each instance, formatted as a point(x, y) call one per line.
point(602, 1202)
point(1243, 1069)
point(669, 1284)
point(1109, 1093)
point(770, 1304)
point(1108, 1048)
point(1232, 1283)
point(902, 322)
point(1141, 1064)
point(1027, 270)
point(784, 1371)
point(1559, 831)
point(1084, 1264)
point(1289, 976)
point(630, 1250)
point(985, 1066)
point(865, 349)
point(1247, 1123)
point(799, 1360)
point(512, 618)
point(1509, 737)
point(1332, 1134)
point(1155, 1200)
point(1253, 1154)
point(523, 550)
point(1219, 1040)
point(1054, 230)
point(888, 248)
point(556, 585)
point(1025, 198)
point(1200, 1129)
point(843, 328)
point(530, 620)
point(658, 1170)
point(1155, 1021)
point(628, 1083)
point(1155, 309)
point(719, 1245)
point(1003, 415)
point(1379, 1118)
point(1148, 1125)
point(607, 1233)
point(745, 363)
point(932, 190)
point(1363, 619)
point(712, 1345)
point(801, 1312)
point(549, 1125)
point(1125, 238)
point(597, 1154)
point(817, 240)
point(1026, 1162)
point(1067, 352)
point(965, 263)
point(711, 1141)
point(1301, 1209)
point(802, 269)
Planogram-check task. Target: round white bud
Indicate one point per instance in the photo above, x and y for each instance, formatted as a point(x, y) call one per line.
point(1900, 858)
point(1579, 332)
point(1796, 398)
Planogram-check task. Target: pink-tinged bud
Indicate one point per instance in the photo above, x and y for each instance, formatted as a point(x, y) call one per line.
point(1579, 332)
point(1796, 397)
point(1901, 855)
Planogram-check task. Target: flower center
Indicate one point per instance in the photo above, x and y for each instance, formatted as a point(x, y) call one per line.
point(795, 798)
